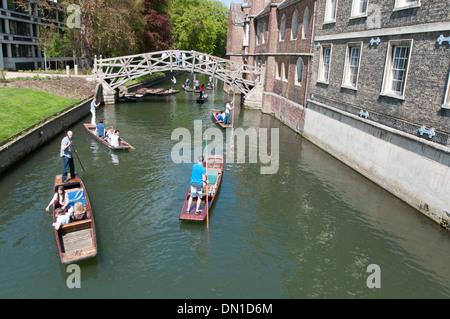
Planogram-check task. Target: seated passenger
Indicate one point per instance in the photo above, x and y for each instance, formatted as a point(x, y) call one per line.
point(109, 133)
point(115, 139)
point(59, 200)
point(61, 218)
point(101, 129)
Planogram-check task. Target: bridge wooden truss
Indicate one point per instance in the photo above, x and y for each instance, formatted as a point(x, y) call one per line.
point(114, 72)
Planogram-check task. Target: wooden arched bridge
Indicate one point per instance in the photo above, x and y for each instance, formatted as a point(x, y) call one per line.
point(112, 73)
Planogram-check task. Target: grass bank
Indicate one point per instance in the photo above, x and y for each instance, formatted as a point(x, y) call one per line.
point(22, 107)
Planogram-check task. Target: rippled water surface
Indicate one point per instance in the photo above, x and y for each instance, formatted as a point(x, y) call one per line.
point(308, 231)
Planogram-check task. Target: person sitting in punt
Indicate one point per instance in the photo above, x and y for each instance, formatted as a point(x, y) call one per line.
point(61, 218)
point(59, 200)
point(109, 133)
point(220, 116)
point(101, 129)
point(75, 213)
point(198, 181)
point(115, 139)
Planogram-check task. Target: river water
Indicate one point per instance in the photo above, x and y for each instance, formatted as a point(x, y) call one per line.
point(311, 230)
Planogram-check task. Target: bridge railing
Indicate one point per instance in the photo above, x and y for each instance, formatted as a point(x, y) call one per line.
point(119, 70)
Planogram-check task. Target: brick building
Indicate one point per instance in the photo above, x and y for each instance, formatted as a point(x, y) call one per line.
point(387, 60)
point(383, 58)
point(368, 81)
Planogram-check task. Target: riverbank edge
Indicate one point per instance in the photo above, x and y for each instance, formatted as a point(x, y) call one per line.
point(26, 141)
point(394, 160)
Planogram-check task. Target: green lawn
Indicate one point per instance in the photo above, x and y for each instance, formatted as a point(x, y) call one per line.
point(21, 108)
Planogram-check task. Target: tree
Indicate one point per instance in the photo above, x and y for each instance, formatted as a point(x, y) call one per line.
point(157, 32)
point(199, 25)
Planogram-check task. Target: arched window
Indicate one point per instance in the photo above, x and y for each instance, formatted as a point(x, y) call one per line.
point(279, 69)
point(299, 72)
point(305, 23)
point(294, 25)
point(286, 69)
point(283, 27)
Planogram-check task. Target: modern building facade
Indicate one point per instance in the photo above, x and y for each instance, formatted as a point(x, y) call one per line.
point(19, 34)
point(368, 81)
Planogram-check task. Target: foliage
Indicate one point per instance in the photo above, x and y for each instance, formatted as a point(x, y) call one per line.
point(199, 25)
point(157, 33)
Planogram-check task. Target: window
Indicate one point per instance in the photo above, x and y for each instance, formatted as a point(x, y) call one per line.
point(406, 4)
point(446, 104)
point(294, 25)
point(299, 72)
point(286, 70)
point(245, 43)
point(359, 8)
point(279, 69)
point(330, 11)
point(282, 27)
point(264, 34)
point(351, 67)
point(258, 34)
point(324, 66)
point(396, 68)
point(305, 23)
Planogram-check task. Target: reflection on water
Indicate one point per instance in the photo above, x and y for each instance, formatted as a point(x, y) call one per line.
point(310, 230)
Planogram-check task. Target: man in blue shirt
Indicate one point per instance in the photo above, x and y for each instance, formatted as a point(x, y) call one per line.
point(101, 129)
point(198, 180)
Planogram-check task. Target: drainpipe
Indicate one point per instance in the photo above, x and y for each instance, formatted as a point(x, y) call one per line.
point(310, 51)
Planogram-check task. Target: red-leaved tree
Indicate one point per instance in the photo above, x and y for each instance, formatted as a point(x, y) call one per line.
point(157, 32)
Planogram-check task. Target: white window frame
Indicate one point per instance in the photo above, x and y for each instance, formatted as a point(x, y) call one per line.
point(294, 25)
point(389, 68)
point(297, 75)
point(406, 4)
point(330, 16)
point(246, 35)
point(282, 28)
point(321, 77)
point(349, 64)
point(356, 9)
point(446, 104)
point(305, 23)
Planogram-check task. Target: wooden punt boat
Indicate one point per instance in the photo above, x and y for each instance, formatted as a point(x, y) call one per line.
point(133, 97)
point(77, 240)
point(215, 171)
point(153, 91)
point(214, 115)
point(167, 92)
point(92, 129)
point(202, 99)
point(210, 87)
point(189, 90)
